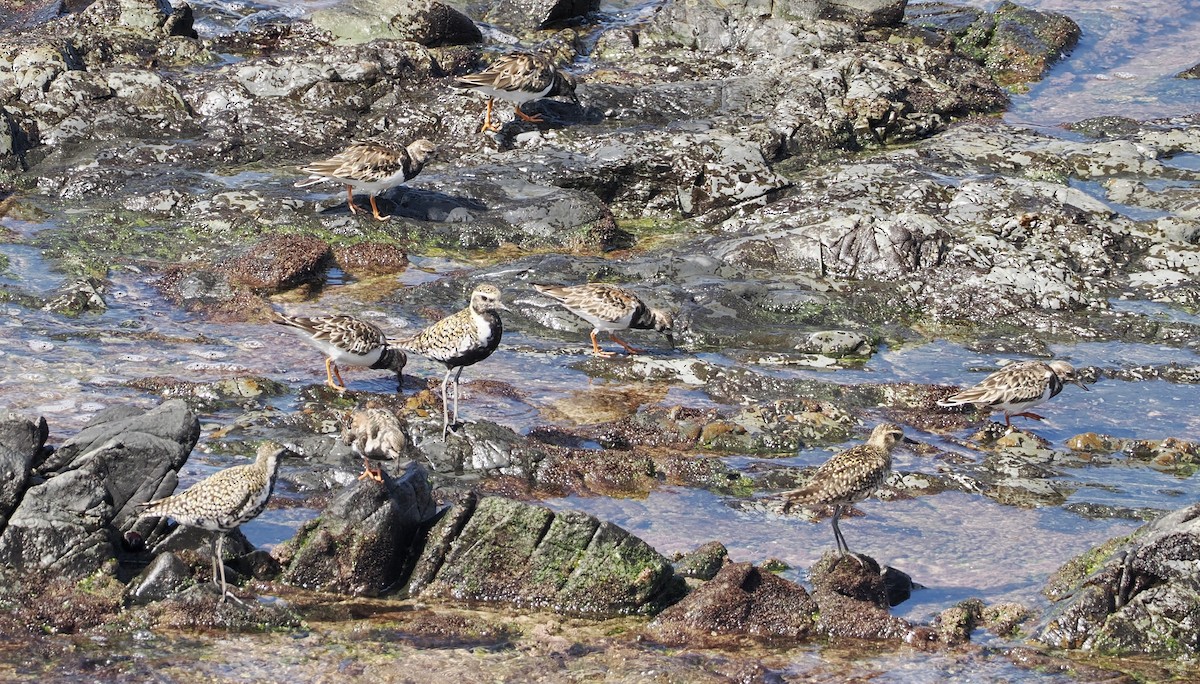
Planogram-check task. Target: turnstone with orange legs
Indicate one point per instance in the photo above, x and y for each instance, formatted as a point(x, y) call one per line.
point(346, 340)
point(375, 434)
point(1018, 387)
point(609, 308)
point(519, 77)
point(370, 168)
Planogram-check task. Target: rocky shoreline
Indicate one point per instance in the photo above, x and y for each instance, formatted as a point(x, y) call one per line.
point(800, 182)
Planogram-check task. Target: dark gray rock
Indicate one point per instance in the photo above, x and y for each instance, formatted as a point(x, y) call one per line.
point(503, 551)
point(853, 601)
point(94, 484)
point(427, 22)
point(361, 544)
point(740, 600)
point(704, 563)
point(523, 16)
point(1192, 73)
point(165, 575)
point(21, 443)
point(1141, 599)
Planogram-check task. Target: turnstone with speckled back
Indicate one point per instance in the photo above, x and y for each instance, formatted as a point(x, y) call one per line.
point(370, 168)
point(519, 77)
point(346, 340)
point(459, 340)
point(609, 308)
point(1018, 387)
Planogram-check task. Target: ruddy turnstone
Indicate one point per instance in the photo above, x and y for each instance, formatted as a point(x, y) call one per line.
point(346, 340)
point(1017, 387)
point(519, 77)
point(609, 308)
point(459, 340)
point(223, 501)
point(371, 168)
point(375, 434)
point(849, 477)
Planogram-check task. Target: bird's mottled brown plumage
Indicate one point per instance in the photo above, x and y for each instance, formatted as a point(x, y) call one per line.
point(346, 340)
point(519, 77)
point(461, 339)
point(609, 308)
point(371, 168)
point(375, 434)
point(849, 477)
point(1018, 387)
point(223, 501)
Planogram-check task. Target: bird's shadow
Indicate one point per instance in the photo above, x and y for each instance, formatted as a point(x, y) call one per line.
point(418, 204)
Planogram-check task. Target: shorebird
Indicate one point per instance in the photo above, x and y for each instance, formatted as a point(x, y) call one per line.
point(1018, 387)
point(849, 477)
point(371, 168)
point(223, 501)
point(519, 77)
point(375, 434)
point(609, 308)
point(346, 340)
point(460, 340)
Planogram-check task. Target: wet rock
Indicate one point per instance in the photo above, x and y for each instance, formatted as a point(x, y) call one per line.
point(522, 16)
point(1016, 44)
point(502, 551)
point(427, 22)
point(1135, 594)
point(361, 543)
point(371, 258)
point(199, 607)
point(740, 600)
point(837, 343)
point(85, 295)
point(703, 563)
point(1192, 73)
point(210, 396)
point(279, 263)
point(164, 576)
point(852, 598)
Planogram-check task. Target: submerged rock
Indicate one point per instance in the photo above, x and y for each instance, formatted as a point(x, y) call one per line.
point(427, 22)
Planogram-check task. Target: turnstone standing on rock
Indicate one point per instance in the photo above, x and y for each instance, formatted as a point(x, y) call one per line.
point(459, 340)
point(519, 77)
point(609, 308)
point(346, 340)
point(371, 168)
point(223, 501)
point(849, 477)
point(375, 434)
point(1017, 387)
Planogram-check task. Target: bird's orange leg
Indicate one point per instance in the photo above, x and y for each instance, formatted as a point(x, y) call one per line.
point(370, 473)
point(350, 200)
point(375, 210)
point(531, 118)
point(330, 371)
point(631, 350)
point(596, 347)
point(487, 118)
point(1027, 414)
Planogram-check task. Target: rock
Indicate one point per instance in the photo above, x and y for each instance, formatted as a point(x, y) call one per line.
point(852, 599)
point(361, 543)
point(427, 22)
point(84, 295)
point(524, 16)
point(740, 600)
point(1138, 597)
point(1192, 73)
point(704, 563)
point(1016, 44)
point(371, 258)
point(278, 263)
point(165, 575)
point(68, 524)
point(21, 446)
point(498, 550)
